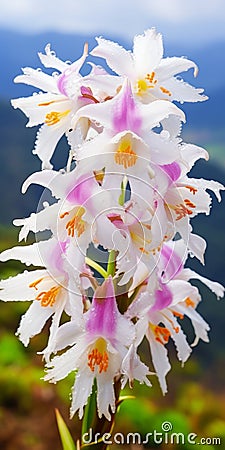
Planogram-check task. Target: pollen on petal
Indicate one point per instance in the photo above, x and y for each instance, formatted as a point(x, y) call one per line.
point(189, 302)
point(148, 82)
point(165, 91)
point(178, 314)
point(142, 86)
point(55, 116)
point(162, 334)
point(183, 209)
point(48, 298)
point(76, 223)
point(98, 356)
point(35, 283)
point(125, 155)
point(192, 189)
point(151, 77)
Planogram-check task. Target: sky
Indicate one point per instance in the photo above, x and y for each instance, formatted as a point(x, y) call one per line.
point(186, 21)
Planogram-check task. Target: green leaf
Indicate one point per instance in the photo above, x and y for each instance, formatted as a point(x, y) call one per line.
point(66, 438)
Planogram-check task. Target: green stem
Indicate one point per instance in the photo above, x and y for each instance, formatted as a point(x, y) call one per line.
point(96, 266)
point(111, 266)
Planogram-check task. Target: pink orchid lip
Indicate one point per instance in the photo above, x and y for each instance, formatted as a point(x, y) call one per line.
point(61, 84)
point(73, 68)
point(125, 112)
point(170, 263)
point(173, 171)
point(163, 298)
point(87, 97)
point(82, 192)
point(102, 319)
point(55, 256)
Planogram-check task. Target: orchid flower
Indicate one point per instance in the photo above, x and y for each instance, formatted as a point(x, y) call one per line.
point(97, 351)
point(49, 288)
point(63, 94)
point(54, 107)
point(127, 144)
point(78, 217)
point(152, 76)
point(170, 298)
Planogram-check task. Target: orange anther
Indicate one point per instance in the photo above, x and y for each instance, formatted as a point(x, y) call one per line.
point(162, 334)
point(189, 203)
point(189, 302)
point(125, 156)
point(76, 223)
point(165, 91)
point(96, 358)
point(35, 283)
point(47, 298)
point(55, 116)
point(192, 189)
point(177, 314)
point(63, 215)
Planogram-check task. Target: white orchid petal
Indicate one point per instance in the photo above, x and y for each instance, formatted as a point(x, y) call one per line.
point(37, 106)
point(81, 391)
point(34, 254)
point(117, 58)
point(155, 112)
point(49, 59)
point(105, 396)
point(197, 246)
point(17, 288)
point(212, 185)
point(43, 178)
point(33, 321)
point(38, 79)
point(51, 347)
point(171, 66)
point(47, 139)
point(60, 366)
point(67, 335)
point(190, 154)
point(214, 286)
point(182, 289)
point(147, 51)
point(200, 326)
point(179, 338)
point(160, 360)
point(184, 92)
point(46, 219)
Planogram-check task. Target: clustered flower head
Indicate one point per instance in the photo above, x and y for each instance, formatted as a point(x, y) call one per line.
point(119, 221)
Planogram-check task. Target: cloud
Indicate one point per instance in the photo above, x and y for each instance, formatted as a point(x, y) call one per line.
point(183, 20)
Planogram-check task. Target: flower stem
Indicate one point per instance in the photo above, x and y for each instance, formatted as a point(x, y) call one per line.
point(96, 266)
point(111, 267)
